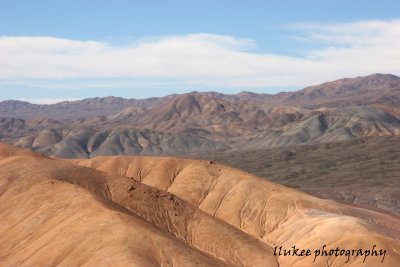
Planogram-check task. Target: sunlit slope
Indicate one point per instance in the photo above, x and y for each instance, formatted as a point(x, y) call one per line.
point(142, 211)
point(267, 211)
point(58, 213)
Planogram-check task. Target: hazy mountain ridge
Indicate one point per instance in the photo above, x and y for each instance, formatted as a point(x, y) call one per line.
point(85, 108)
point(373, 89)
point(367, 90)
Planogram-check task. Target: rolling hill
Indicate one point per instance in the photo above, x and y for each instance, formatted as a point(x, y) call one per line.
point(147, 211)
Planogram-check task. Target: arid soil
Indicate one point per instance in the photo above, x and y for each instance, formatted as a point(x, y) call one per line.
point(364, 171)
point(152, 211)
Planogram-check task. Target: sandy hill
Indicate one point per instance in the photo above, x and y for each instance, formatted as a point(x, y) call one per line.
point(7, 151)
point(145, 211)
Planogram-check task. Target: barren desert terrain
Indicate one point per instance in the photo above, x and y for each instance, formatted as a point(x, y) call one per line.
point(160, 211)
point(199, 133)
point(337, 140)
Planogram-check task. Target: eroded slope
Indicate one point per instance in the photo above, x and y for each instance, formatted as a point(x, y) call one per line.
point(170, 212)
point(127, 221)
point(273, 213)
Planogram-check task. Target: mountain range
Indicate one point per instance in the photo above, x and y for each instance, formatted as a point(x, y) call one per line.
point(232, 128)
point(367, 90)
point(339, 110)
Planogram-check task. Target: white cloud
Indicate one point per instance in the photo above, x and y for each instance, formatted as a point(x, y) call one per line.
point(46, 100)
point(350, 49)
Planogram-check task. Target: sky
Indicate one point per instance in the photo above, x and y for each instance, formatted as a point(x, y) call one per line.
point(52, 51)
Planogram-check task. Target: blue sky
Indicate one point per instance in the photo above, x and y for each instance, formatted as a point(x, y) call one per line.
point(55, 50)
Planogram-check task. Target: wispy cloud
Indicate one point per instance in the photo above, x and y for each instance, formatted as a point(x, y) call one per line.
point(349, 49)
point(46, 100)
